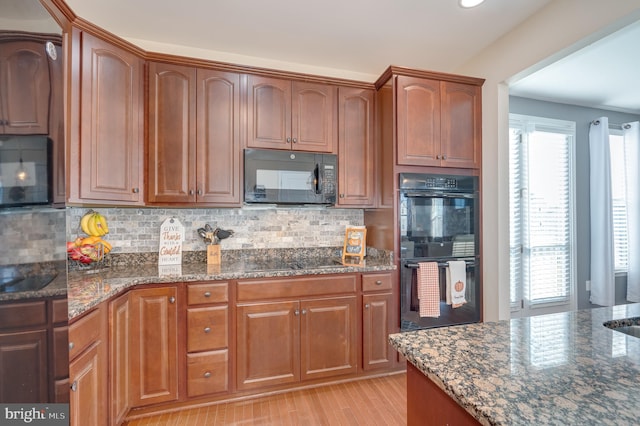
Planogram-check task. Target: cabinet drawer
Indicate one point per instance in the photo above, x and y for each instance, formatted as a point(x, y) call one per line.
point(207, 372)
point(23, 314)
point(198, 294)
point(208, 328)
point(60, 312)
point(83, 333)
point(296, 287)
point(376, 282)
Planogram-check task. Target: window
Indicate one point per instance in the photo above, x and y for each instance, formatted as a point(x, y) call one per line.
point(541, 215)
point(619, 199)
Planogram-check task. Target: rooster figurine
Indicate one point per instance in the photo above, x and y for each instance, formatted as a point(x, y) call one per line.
point(221, 234)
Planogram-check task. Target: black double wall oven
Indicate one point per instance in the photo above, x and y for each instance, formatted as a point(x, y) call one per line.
point(439, 224)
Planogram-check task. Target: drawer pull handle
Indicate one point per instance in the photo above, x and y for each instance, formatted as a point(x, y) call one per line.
point(207, 294)
point(207, 374)
point(74, 386)
point(378, 282)
point(207, 329)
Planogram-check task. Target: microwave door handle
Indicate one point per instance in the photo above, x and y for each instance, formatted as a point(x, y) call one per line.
point(316, 174)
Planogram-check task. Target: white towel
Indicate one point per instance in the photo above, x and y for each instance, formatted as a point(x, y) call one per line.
point(428, 289)
point(456, 283)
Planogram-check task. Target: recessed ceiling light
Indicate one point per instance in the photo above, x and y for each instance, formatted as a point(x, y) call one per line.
point(470, 3)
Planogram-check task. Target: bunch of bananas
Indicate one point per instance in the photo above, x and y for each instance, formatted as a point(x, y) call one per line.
point(94, 224)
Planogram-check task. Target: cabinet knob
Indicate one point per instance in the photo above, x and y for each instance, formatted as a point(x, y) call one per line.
point(288, 140)
point(71, 345)
point(296, 312)
point(378, 282)
point(172, 299)
point(366, 306)
point(207, 294)
point(438, 157)
point(135, 190)
point(207, 374)
point(74, 386)
point(199, 191)
point(304, 312)
point(444, 157)
point(341, 195)
point(207, 329)
point(295, 140)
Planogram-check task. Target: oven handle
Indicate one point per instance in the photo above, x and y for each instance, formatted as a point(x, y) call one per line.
point(469, 262)
point(431, 194)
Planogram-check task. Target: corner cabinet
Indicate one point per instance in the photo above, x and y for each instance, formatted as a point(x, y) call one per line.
point(355, 147)
point(106, 156)
point(438, 123)
point(194, 142)
point(296, 115)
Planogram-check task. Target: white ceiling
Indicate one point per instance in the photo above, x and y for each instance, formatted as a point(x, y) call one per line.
point(605, 74)
point(364, 36)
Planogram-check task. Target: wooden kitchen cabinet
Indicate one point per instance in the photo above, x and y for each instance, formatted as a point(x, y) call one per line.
point(106, 157)
point(194, 143)
point(296, 115)
point(207, 357)
point(288, 341)
point(438, 123)
point(24, 88)
point(88, 369)
point(23, 367)
point(377, 321)
point(356, 155)
point(119, 357)
point(154, 345)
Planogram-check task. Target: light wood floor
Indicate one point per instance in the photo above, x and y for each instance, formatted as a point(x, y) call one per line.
point(377, 401)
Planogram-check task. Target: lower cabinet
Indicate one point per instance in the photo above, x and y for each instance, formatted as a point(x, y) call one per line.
point(88, 369)
point(23, 367)
point(289, 341)
point(154, 345)
point(119, 357)
point(378, 321)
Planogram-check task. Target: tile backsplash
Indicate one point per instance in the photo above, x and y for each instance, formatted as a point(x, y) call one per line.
point(137, 230)
point(32, 235)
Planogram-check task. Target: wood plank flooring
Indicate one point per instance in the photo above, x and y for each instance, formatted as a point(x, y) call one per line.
point(376, 401)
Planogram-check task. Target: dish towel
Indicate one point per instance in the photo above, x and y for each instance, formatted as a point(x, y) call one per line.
point(428, 289)
point(456, 283)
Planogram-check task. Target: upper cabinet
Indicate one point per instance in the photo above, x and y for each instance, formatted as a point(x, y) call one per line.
point(24, 84)
point(295, 115)
point(106, 158)
point(438, 123)
point(355, 147)
point(194, 143)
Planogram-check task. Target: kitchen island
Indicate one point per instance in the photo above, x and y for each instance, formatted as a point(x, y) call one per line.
point(563, 369)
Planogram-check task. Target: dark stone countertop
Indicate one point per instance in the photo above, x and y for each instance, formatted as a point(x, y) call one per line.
point(559, 369)
point(87, 289)
point(55, 288)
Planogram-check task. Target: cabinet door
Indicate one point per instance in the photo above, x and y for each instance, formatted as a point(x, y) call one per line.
point(328, 337)
point(172, 133)
point(111, 128)
point(377, 323)
point(355, 147)
point(218, 139)
point(25, 88)
point(269, 113)
point(461, 125)
point(119, 357)
point(154, 350)
point(268, 344)
point(418, 121)
point(23, 367)
point(313, 117)
point(88, 396)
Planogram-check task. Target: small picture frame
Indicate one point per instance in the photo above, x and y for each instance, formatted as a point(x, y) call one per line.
point(355, 245)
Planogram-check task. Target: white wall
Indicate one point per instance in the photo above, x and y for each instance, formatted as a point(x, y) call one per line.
point(560, 28)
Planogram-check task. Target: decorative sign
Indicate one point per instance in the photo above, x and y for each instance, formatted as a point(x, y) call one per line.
point(355, 244)
point(171, 238)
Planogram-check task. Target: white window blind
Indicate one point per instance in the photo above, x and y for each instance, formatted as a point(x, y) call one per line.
point(541, 212)
point(619, 200)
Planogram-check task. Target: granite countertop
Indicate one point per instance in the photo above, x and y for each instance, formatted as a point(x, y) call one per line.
point(57, 287)
point(559, 369)
point(87, 289)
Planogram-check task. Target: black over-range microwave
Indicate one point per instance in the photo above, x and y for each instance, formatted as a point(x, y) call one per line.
point(25, 170)
point(289, 177)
